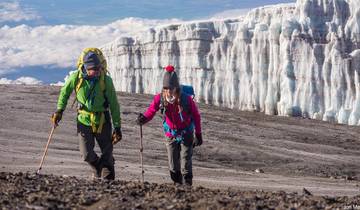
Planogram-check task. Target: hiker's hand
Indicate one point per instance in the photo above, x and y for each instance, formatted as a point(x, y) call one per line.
point(198, 139)
point(141, 119)
point(56, 117)
point(117, 135)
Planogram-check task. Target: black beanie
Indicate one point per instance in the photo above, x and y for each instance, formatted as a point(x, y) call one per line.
point(171, 80)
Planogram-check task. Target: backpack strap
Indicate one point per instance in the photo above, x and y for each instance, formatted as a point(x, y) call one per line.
point(94, 127)
point(103, 88)
point(184, 105)
point(184, 102)
point(80, 66)
point(79, 81)
point(162, 107)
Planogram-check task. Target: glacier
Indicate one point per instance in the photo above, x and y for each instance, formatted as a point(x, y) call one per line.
point(300, 59)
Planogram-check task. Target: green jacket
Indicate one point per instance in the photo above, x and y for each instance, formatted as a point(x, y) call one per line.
point(96, 100)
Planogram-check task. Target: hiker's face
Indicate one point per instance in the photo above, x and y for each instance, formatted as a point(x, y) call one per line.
point(93, 72)
point(169, 92)
point(170, 95)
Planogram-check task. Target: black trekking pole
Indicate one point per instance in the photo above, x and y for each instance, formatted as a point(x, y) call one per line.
point(141, 154)
point(46, 149)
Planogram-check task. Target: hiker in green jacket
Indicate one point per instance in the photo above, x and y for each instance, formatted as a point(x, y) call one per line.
point(95, 94)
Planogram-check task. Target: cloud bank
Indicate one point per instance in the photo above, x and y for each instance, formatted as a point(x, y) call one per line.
point(21, 81)
point(60, 45)
point(12, 11)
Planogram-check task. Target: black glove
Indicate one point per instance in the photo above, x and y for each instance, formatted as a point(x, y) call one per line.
point(141, 119)
point(56, 117)
point(197, 140)
point(117, 135)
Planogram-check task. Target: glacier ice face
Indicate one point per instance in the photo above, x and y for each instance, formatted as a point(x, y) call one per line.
point(298, 59)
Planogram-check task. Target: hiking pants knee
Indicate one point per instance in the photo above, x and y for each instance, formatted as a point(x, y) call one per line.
point(87, 144)
point(180, 159)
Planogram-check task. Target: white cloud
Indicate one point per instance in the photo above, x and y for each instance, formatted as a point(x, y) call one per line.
point(59, 83)
point(13, 12)
point(60, 45)
point(21, 80)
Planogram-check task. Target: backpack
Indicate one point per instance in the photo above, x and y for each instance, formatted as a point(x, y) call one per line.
point(79, 82)
point(80, 66)
point(185, 91)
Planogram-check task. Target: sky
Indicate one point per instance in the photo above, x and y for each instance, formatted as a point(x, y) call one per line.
point(40, 40)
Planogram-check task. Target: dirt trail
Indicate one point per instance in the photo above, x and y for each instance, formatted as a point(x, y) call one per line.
point(293, 152)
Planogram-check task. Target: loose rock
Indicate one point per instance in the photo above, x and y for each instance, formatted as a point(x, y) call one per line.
point(59, 192)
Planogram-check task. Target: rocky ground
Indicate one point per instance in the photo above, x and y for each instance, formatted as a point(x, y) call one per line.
point(242, 151)
point(33, 191)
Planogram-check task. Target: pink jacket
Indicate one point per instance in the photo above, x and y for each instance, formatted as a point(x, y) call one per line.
point(172, 116)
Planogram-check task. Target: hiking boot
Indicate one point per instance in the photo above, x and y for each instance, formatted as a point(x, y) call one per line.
point(94, 177)
point(188, 183)
point(96, 168)
point(108, 173)
point(176, 184)
point(176, 177)
point(187, 179)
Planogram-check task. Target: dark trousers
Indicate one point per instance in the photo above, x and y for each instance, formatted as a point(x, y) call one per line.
point(180, 159)
point(87, 143)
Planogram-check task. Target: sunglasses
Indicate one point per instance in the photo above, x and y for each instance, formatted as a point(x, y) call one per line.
point(93, 68)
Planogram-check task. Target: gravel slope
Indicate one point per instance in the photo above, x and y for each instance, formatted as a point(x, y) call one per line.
point(294, 153)
point(32, 191)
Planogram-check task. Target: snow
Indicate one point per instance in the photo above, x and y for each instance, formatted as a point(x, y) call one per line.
point(291, 59)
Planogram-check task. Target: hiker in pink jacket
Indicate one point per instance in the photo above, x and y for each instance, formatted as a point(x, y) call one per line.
point(180, 119)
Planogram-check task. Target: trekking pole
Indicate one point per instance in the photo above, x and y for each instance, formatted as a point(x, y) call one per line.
point(46, 149)
point(141, 154)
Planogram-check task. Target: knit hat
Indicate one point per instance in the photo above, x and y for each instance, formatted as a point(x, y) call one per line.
point(171, 80)
point(91, 60)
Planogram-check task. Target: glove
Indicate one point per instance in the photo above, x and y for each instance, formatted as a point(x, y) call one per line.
point(56, 117)
point(141, 119)
point(117, 135)
point(198, 140)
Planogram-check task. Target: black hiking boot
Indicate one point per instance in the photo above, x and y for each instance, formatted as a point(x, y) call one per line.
point(176, 177)
point(96, 167)
point(108, 173)
point(187, 179)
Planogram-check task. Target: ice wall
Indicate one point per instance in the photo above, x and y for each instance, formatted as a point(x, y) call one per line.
point(298, 59)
